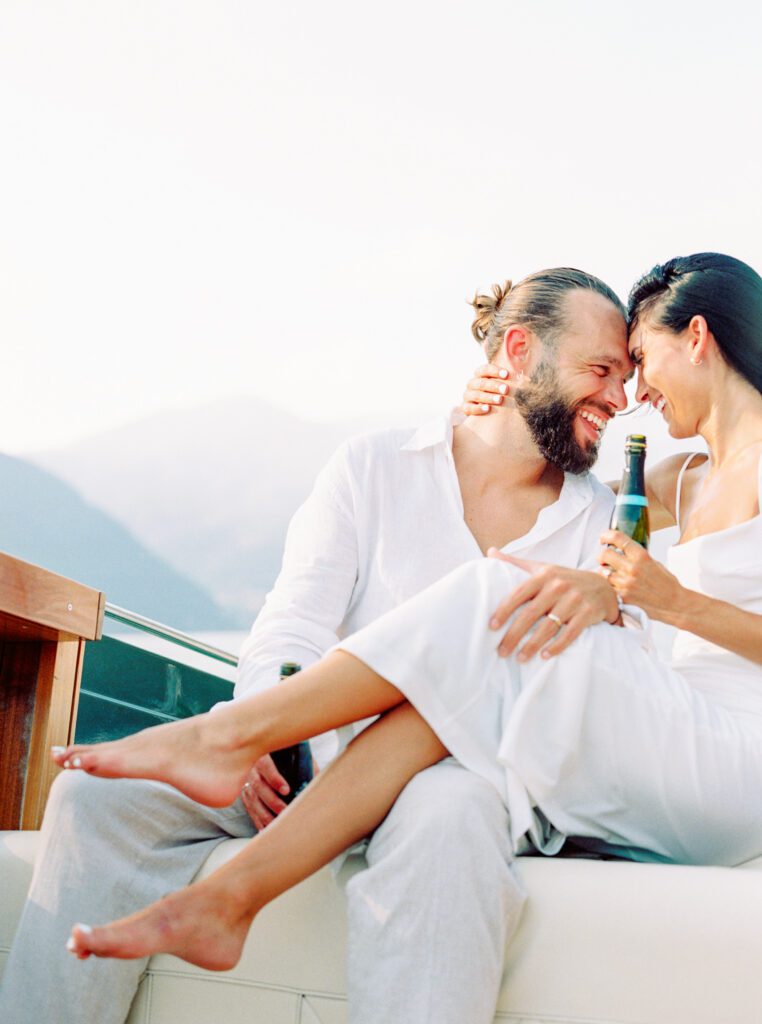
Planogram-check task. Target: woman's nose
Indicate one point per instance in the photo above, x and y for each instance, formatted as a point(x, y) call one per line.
point(641, 390)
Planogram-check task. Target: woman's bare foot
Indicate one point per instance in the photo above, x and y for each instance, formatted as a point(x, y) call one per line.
point(197, 924)
point(200, 756)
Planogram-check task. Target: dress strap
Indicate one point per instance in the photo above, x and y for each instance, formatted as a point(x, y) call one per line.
point(679, 486)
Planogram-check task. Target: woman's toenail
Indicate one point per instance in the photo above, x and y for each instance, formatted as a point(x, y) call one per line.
point(77, 762)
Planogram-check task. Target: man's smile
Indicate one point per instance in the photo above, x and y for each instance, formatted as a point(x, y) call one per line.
point(593, 423)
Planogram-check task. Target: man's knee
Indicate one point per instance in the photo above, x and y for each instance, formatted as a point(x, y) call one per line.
point(77, 798)
point(444, 804)
point(447, 835)
point(72, 794)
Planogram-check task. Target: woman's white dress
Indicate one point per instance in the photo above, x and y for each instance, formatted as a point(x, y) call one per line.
point(605, 741)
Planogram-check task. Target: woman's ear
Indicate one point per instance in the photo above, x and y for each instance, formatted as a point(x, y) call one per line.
point(698, 339)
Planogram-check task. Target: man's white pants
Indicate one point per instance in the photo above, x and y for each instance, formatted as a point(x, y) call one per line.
point(109, 847)
point(431, 917)
point(428, 920)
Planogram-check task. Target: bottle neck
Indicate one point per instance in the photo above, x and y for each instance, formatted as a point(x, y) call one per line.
point(633, 480)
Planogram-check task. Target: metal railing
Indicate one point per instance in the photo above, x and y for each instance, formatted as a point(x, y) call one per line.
point(128, 618)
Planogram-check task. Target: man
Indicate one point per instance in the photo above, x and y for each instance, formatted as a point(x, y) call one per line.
point(389, 515)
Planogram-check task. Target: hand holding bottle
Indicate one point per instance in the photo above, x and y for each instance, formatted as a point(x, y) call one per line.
point(277, 778)
point(638, 578)
point(263, 791)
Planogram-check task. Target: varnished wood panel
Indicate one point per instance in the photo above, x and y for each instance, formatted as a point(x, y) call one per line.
point(58, 681)
point(43, 598)
point(44, 621)
point(12, 628)
point(19, 664)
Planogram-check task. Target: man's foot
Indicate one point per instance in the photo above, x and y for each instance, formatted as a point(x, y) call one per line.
point(197, 924)
point(200, 756)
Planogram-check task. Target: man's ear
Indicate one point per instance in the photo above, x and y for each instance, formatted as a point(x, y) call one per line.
point(516, 347)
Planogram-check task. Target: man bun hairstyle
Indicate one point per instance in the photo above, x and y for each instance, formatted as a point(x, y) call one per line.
point(724, 290)
point(536, 302)
point(487, 307)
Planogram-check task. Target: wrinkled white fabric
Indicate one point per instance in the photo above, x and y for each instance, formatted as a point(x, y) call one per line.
point(726, 565)
point(603, 741)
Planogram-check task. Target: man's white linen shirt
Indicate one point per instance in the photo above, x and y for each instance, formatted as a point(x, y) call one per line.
point(384, 520)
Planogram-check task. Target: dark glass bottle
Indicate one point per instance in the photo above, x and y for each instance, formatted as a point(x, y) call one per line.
point(294, 762)
point(631, 509)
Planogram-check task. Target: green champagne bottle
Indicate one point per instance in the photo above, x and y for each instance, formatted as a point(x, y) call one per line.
point(631, 509)
point(294, 762)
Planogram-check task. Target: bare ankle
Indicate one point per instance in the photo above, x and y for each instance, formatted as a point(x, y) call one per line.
point(235, 886)
point(247, 726)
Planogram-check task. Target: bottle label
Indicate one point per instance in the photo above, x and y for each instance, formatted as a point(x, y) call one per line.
point(631, 499)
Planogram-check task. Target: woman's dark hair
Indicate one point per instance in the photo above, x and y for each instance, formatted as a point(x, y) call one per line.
point(725, 291)
point(537, 302)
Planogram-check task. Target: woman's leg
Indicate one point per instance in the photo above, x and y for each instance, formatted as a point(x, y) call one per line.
point(207, 757)
point(207, 922)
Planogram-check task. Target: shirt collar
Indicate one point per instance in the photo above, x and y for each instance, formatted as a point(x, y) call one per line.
point(576, 494)
point(435, 431)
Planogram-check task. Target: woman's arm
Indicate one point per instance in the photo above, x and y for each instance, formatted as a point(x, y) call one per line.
point(720, 623)
point(642, 581)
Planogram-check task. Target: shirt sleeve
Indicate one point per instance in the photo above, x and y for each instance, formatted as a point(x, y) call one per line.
point(304, 610)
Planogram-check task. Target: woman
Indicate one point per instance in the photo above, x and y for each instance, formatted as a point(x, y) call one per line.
point(603, 741)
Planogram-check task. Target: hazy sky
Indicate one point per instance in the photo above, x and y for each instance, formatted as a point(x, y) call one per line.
point(293, 200)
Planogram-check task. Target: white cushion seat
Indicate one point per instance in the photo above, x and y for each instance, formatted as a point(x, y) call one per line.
point(600, 941)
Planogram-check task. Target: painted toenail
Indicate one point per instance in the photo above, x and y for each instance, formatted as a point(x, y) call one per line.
point(67, 764)
point(70, 945)
point(77, 762)
point(57, 751)
point(84, 928)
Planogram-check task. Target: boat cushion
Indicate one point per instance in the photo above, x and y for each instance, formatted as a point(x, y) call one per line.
point(600, 941)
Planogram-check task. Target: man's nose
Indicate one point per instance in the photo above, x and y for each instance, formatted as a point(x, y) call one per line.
point(616, 394)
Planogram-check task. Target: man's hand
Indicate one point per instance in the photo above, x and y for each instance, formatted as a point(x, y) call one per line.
point(561, 601)
point(260, 792)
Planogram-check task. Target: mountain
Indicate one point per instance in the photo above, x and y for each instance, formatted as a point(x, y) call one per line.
point(45, 521)
point(210, 490)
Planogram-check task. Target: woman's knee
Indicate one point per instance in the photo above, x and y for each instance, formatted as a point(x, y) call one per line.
point(491, 578)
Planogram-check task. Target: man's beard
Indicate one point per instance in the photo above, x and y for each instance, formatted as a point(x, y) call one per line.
point(550, 419)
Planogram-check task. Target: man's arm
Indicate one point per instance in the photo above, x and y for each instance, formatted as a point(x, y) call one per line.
point(311, 596)
point(302, 613)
